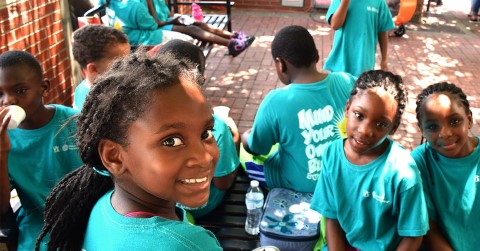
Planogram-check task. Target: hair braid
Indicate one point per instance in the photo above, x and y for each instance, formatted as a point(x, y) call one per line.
point(439, 88)
point(390, 82)
point(117, 99)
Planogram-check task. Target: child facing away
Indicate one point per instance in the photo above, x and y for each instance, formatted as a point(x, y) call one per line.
point(95, 47)
point(449, 163)
point(302, 117)
point(369, 188)
point(359, 26)
point(37, 154)
point(225, 133)
point(149, 22)
point(145, 136)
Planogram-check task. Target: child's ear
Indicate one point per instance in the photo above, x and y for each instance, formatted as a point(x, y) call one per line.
point(45, 87)
point(111, 155)
point(347, 106)
point(470, 119)
point(91, 68)
point(281, 64)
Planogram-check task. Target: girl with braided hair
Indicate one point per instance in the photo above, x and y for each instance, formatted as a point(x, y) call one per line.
point(145, 136)
point(369, 188)
point(449, 164)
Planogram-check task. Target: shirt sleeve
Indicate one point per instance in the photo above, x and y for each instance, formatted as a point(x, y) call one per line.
point(331, 10)
point(413, 216)
point(323, 200)
point(143, 19)
point(228, 161)
point(419, 156)
point(265, 131)
point(385, 18)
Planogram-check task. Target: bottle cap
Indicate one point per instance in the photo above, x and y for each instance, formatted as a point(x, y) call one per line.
point(254, 183)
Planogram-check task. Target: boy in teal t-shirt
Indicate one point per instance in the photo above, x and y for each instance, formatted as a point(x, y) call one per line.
point(302, 117)
point(37, 154)
point(359, 26)
point(95, 47)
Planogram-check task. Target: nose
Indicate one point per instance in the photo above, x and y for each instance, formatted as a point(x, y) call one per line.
point(9, 99)
point(445, 132)
point(365, 129)
point(202, 155)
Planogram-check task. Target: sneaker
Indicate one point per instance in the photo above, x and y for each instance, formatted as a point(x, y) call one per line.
point(240, 35)
point(237, 46)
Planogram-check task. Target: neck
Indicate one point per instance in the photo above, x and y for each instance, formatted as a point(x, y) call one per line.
point(125, 202)
point(307, 75)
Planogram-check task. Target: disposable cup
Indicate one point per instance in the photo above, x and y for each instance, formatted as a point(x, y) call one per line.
point(17, 116)
point(221, 112)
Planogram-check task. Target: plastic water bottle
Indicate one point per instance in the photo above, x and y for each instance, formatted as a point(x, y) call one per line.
point(197, 13)
point(254, 203)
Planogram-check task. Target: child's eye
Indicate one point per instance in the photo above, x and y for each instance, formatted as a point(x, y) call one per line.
point(382, 124)
point(207, 134)
point(431, 127)
point(20, 90)
point(173, 141)
point(455, 122)
point(357, 115)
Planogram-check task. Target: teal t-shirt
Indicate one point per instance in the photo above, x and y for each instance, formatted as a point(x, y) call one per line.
point(133, 18)
point(355, 44)
point(81, 92)
point(227, 163)
point(375, 204)
point(37, 160)
point(302, 119)
point(452, 193)
point(108, 230)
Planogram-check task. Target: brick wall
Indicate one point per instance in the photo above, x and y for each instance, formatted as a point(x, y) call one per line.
point(270, 5)
point(36, 26)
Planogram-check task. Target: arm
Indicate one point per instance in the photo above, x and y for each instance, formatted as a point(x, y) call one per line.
point(245, 143)
point(153, 13)
point(383, 41)
point(409, 243)
point(225, 182)
point(434, 240)
point(4, 150)
point(338, 18)
point(335, 235)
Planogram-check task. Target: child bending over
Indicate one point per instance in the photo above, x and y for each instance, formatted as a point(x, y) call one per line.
point(95, 47)
point(450, 167)
point(145, 136)
point(369, 188)
point(37, 154)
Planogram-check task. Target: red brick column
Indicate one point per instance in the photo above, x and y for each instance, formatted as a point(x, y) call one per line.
point(36, 26)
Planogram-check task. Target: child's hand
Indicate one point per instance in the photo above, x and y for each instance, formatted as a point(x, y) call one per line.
point(384, 65)
point(4, 140)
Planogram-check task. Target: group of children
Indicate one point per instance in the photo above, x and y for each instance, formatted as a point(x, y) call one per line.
point(145, 149)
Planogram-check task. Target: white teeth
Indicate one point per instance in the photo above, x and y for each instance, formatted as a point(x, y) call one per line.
point(193, 181)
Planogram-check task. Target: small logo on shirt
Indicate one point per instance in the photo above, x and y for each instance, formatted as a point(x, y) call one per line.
point(366, 193)
point(477, 178)
point(380, 198)
point(372, 9)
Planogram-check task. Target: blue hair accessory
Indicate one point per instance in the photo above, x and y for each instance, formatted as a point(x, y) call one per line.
point(101, 172)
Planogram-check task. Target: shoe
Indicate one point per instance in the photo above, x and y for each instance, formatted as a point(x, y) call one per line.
point(473, 19)
point(238, 45)
point(240, 35)
point(439, 3)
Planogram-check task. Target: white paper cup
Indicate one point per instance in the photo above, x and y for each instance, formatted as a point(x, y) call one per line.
point(18, 115)
point(221, 112)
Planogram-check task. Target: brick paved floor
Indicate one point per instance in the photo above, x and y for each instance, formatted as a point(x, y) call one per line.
point(444, 47)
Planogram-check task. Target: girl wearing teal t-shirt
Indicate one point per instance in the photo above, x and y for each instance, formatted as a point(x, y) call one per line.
point(369, 188)
point(449, 163)
point(145, 136)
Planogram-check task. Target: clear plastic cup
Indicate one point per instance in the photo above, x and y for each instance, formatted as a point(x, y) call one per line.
point(18, 115)
point(221, 111)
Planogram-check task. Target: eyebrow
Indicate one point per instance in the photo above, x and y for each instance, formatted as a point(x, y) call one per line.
point(383, 115)
point(209, 122)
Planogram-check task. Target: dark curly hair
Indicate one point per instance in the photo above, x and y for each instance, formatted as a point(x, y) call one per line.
point(14, 58)
point(439, 88)
point(295, 45)
point(118, 98)
point(91, 42)
point(185, 50)
point(388, 81)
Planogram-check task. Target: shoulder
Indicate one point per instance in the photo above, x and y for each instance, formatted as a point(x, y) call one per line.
point(65, 111)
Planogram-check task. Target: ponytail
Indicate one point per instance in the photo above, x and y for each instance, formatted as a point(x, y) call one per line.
point(68, 208)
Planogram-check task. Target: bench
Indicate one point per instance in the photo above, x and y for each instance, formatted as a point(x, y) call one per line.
point(227, 221)
point(220, 21)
